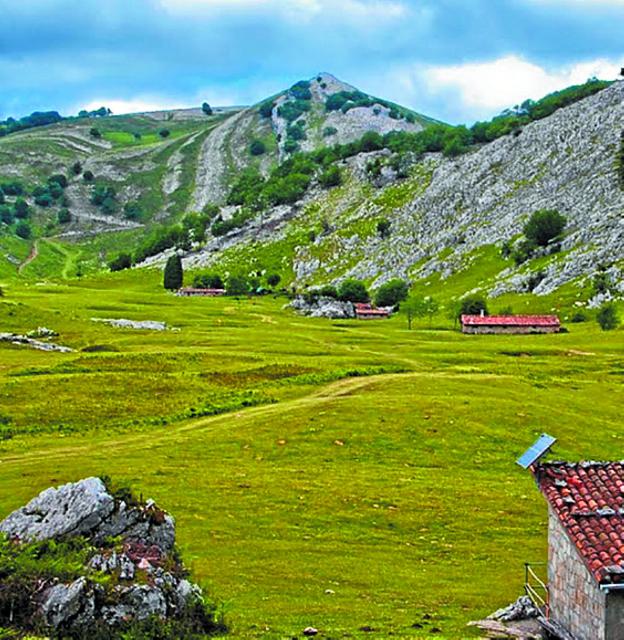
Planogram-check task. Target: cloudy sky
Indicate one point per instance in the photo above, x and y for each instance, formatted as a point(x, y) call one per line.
point(456, 60)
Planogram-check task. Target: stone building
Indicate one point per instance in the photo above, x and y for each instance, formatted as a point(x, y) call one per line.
point(585, 547)
point(510, 324)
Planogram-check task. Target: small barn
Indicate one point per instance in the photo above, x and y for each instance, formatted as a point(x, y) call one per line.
point(365, 311)
point(585, 592)
point(194, 291)
point(509, 324)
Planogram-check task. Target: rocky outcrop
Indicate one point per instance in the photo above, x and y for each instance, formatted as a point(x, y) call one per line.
point(123, 323)
point(17, 339)
point(323, 308)
point(131, 571)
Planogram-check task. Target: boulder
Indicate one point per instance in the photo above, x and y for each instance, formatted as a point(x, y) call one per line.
point(324, 307)
point(131, 574)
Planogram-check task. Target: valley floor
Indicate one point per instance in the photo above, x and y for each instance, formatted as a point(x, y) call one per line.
point(343, 475)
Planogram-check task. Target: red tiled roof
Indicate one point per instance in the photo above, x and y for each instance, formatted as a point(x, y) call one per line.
point(588, 499)
point(511, 321)
point(362, 306)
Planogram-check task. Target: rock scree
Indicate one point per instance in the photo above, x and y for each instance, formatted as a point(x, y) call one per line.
point(129, 577)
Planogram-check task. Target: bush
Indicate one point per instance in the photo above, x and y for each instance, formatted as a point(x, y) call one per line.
point(55, 190)
point(301, 90)
point(121, 262)
point(292, 109)
point(76, 168)
point(266, 109)
point(329, 291)
point(329, 131)
point(206, 109)
point(473, 305)
point(23, 230)
point(95, 132)
point(173, 275)
point(544, 226)
point(237, 286)
point(44, 200)
point(383, 228)
point(64, 216)
point(257, 148)
point(12, 188)
point(208, 281)
point(607, 317)
point(579, 316)
point(2, 198)
point(353, 291)
point(88, 176)
point(7, 214)
point(391, 293)
point(164, 133)
point(59, 179)
point(273, 280)
point(331, 177)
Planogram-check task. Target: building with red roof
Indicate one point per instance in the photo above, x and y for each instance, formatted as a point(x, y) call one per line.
point(510, 324)
point(365, 311)
point(585, 546)
point(195, 291)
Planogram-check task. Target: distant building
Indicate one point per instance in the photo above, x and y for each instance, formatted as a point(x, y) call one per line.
point(585, 547)
point(193, 291)
point(365, 311)
point(510, 324)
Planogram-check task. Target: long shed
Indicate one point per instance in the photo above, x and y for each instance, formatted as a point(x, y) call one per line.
point(510, 324)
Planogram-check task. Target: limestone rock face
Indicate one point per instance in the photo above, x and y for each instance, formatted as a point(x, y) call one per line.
point(132, 543)
point(324, 308)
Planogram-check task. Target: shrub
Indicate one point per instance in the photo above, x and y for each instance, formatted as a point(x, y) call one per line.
point(383, 228)
point(95, 133)
point(544, 226)
point(391, 293)
point(266, 109)
point(23, 230)
point(352, 290)
point(2, 198)
point(44, 200)
point(88, 176)
point(12, 188)
point(76, 168)
point(473, 305)
point(208, 281)
point(578, 316)
point(331, 177)
point(273, 280)
point(301, 90)
point(237, 286)
point(290, 146)
point(523, 251)
point(64, 216)
point(7, 214)
point(173, 275)
point(292, 109)
point(257, 148)
point(55, 190)
point(607, 317)
point(328, 291)
point(164, 133)
point(371, 141)
point(59, 179)
point(206, 109)
point(101, 192)
point(121, 262)
point(329, 131)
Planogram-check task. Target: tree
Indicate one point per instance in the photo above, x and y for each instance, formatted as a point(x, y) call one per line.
point(331, 177)
point(21, 208)
point(164, 133)
point(2, 199)
point(353, 291)
point(257, 148)
point(7, 214)
point(64, 216)
point(273, 280)
point(391, 293)
point(76, 168)
point(207, 109)
point(174, 274)
point(59, 179)
point(237, 286)
point(473, 305)
point(95, 132)
point(544, 225)
point(88, 176)
point(23, 230)
point(208, 281)
point(121, 262)
point(419, 307)
point(383, 228)
point(607, 317)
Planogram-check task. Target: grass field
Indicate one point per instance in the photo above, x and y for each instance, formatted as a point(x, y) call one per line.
point(345, 475)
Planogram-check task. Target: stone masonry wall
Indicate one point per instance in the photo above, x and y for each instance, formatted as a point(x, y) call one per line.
point(576, 601)
point(614, 625)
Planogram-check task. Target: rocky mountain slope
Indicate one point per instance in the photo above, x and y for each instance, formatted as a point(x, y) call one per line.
point(452, 213)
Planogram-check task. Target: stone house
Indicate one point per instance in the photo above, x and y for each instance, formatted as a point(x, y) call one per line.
point(585, 547)
point(510, 324)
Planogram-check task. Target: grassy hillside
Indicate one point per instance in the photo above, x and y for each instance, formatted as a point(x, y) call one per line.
point(343, 474)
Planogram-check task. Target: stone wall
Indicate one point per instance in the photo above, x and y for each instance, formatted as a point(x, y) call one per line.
point(484, 329)
point(614, 619)
point(576, 601)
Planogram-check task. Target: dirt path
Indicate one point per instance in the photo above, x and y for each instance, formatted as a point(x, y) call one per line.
point(182, 430)
point(34, 252)
point(212, 166)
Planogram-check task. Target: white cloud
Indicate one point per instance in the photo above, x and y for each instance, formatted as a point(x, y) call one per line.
point(509, 80)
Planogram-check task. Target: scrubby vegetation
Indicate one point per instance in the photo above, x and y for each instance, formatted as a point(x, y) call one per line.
point(36, 119)
point(391, 293)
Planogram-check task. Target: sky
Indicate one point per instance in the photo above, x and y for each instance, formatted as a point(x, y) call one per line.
point(455, 60)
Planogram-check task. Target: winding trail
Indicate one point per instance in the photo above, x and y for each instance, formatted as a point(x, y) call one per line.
point(34, 252)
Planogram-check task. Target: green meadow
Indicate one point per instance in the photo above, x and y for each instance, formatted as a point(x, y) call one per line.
point(357, 477)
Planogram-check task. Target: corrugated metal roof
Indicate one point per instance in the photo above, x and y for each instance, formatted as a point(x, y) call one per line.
point(511, 321)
